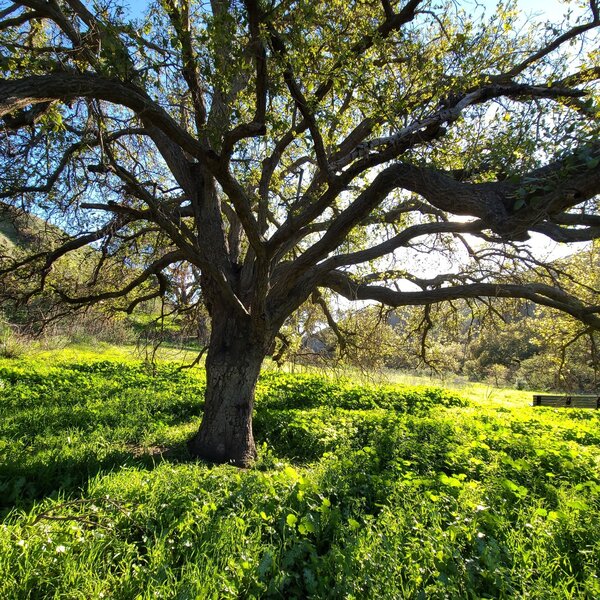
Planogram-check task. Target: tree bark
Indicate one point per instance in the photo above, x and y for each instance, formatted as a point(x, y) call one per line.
point(232, 367)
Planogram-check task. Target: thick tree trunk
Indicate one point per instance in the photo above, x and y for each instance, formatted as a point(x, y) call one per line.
point(232, 368)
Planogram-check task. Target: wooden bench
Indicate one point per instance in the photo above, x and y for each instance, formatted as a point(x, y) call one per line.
point(567, 401)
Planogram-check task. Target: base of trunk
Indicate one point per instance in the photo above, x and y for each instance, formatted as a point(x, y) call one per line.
point(216, 449)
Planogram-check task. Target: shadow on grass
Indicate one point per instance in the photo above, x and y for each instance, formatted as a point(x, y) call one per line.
point(60, 429)
point(44, 476)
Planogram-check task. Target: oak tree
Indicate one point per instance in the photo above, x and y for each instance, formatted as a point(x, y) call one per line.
point(401, 152)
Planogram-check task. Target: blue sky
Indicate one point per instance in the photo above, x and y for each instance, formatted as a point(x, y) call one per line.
point(549, 9)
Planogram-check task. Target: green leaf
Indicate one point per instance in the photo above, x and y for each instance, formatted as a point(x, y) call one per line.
point(291, 473)
point(519, 204)
point(450, 481)
point(578, 505)
point(518, 490)
point(306, 525)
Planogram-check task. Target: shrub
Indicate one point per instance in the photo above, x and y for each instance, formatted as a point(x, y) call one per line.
point(12, 344)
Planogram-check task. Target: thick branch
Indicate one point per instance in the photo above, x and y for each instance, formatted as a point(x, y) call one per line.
point(450, 114)
point(16, 94)
point(403, 239)
point(257, 126)
point(180, 19)
point(565, 235)
point(536, 292)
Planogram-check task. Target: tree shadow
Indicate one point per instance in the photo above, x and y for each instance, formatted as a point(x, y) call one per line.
point(60, 430)
point(22, 485)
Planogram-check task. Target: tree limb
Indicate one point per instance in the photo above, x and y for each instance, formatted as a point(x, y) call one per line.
point(539, 293)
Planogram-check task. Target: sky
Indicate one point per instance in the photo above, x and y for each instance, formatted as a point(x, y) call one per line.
point(548, 9)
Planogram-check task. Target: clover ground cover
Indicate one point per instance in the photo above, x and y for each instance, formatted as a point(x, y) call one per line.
point(360, 492)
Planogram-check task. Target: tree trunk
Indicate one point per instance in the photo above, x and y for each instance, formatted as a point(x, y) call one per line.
point(232, 368)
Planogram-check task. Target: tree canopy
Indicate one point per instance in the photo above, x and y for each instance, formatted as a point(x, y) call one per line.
point(281, 148)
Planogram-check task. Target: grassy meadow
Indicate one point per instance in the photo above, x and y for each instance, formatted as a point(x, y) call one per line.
point(361, 490)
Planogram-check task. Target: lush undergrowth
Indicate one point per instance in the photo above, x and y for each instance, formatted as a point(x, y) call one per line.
point(360, 491)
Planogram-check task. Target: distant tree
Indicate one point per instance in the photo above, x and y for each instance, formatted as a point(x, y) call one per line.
point(505, 344)
point(508, 340)
point(569, 355)
point(280, 148)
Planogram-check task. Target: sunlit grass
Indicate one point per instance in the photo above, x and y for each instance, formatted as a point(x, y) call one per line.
point(484, 393)
point(106, 351)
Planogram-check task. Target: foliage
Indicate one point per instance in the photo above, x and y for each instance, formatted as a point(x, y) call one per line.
point(503, 341)
point(281, 391)
point(375, 492)
point(570, 349)
point(89, 413)
point(252, 156)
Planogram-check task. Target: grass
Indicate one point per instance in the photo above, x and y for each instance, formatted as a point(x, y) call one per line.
point(361, 491)
point(479, 393)
point(123, 353)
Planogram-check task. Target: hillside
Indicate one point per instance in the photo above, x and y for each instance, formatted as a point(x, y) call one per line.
point(25, 231)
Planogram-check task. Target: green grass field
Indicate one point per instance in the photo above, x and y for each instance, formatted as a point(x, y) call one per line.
point(361, 491)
